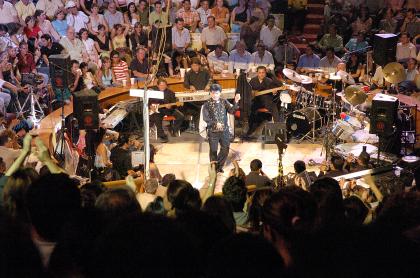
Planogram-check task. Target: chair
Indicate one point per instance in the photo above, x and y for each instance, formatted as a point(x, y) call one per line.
point(171, 120)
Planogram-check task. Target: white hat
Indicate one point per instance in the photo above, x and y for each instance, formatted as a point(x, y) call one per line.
point(70, 4)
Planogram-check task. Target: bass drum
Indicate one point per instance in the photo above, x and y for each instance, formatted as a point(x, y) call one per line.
point(300, 122)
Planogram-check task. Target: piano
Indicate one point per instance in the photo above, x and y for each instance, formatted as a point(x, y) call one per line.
point(119, 111)
point(203, 95)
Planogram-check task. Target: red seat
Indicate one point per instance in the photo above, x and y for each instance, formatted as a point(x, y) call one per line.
point(169, 118)
point(237, 114)
point(263, 110)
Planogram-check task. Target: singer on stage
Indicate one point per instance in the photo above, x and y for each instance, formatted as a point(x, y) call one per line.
point(215, 115)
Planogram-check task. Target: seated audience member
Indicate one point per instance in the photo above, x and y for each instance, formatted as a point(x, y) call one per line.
point(411, 71)
point(158, 17)
point(52, 201)
point(104, 41)
point(203, 12)
point(75, 18)
point(60, 23)
point(257, 12)
point(354, 66)
point(250, 33)
point(26, 61)
point(51, 7)
point(240, 15)
point(8, 13)
point(330, 62)
point(106, 76)
point(138, 38)
point(139, 66)
point(239, 58)
point(257, 177)
point(388, 24)
point(292, 52)
point(410, 18)
point(73, 46)
point(309, 60)
point(301, 177)
point(45, 25)
point(32, 29)
point(96, 19)
point(336, 167)
point(112, 16)
point(131, 16)
point(48, 48)
point(181, 38)
point(197, 78)
point(363, 22)
point(405, 49)
point(218, 206)
point(234, 191)
point(149, 194)
point(77, 78)
point(331, 40)
point(357, 43)
point(218, 60)
point(260, 196)
point(89, 80)
point(119, 68)
point(121, 156)
point(186, 201)
point(163, 186)
point(262, 57)
point(189, 15)
point(24, 8)
point(355, 210)
point(212, 35)
point(91, 46)
point(6, 151)
point(270, 33)
point(118, 36)
point(221, 15)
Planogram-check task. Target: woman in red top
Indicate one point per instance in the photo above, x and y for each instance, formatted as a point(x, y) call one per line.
point(32, 29)
point(26, 62)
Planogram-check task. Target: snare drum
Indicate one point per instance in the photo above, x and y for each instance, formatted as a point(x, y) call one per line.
point(343, 130)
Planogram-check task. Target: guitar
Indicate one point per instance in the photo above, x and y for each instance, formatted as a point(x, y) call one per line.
point(155, 107)
point(268, 91)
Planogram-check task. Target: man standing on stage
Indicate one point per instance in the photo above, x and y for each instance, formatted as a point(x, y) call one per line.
point(260, 83)
point(215, 115)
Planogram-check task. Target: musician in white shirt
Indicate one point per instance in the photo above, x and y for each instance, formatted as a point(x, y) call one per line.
point(218, 60)
point(239, 58)
point(261, 57)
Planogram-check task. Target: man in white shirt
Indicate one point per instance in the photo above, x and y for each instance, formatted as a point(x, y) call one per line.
point(270, 33)
point(181, 38)
point(76, 18)
point(261, 57)
point(24, 9)
point(405, 49)
point(112, 16)
point(73, 46)
point(50, 7)
point(330, 62)
point(218, 60)
point(8, 13)
point(239, 58)
point(203, 12)
point(212, 35)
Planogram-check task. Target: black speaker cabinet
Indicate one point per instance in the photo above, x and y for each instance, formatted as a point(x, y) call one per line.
point(271, 130)
point(86, 109)
point(383, 115)
point(60, 70)
point(384, 48)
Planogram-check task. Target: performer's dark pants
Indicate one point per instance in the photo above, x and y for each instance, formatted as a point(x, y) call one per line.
point(264, 101)
point(214, 139)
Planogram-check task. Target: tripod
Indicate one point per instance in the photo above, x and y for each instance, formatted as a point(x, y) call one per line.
point(34, 108)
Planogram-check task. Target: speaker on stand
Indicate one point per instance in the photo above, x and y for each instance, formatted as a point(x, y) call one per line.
point(86, 109)
point(384, 48)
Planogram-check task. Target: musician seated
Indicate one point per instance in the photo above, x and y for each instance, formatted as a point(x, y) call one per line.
point(261, 83)
point(218, 60)
point(139, 66)
point(197, 78)
point(308, 61)
point(168, 98)
point(330, 61)
point(262, 57)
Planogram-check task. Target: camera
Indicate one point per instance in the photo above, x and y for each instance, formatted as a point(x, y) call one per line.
point(31, 79)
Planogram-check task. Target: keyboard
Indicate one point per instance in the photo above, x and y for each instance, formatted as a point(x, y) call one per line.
point(203, 95)
point(116, 116)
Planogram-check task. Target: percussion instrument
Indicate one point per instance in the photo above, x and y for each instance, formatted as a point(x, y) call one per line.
point(394, 73)
point(300, 122)
point(285, 97)
point(293, 75)
point(355, 95)
point(342, 130)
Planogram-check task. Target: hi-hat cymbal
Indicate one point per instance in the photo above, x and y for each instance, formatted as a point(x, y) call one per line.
point(355, 95)
point(346, 77)
point(292, 75)
point(394, 73)
point(306, 79)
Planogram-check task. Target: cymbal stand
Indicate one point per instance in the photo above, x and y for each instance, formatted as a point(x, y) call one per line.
point(308, 135)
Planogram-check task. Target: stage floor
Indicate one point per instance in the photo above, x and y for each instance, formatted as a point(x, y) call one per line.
point(188, 157)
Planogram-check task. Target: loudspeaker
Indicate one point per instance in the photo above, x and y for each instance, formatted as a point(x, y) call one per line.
point(271, 130)
point(60, 70)
point(86, 109)
point(384, 48)
point(383, 115)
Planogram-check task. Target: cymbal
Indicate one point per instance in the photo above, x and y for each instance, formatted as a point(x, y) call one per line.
point(355, 95)
point(294, 88)
point(346, 77)
point(306, 79)
point(394, 73)
point(292, 75)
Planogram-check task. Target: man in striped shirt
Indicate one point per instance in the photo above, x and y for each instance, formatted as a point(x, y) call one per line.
point(120, 68)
